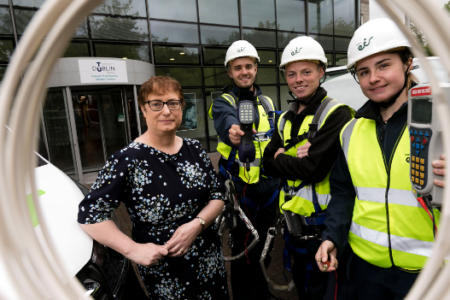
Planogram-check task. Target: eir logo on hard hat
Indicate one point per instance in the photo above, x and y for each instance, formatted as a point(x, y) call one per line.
point(296, 51)
point(242, 49)
point(364, 43)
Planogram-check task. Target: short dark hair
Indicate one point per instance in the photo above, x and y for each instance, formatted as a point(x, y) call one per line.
point(159, 85)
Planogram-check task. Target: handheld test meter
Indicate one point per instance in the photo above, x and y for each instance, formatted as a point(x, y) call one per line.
point(426, 141)
point(246, 116)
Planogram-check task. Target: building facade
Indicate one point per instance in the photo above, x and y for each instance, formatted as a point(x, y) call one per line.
point(186, 39)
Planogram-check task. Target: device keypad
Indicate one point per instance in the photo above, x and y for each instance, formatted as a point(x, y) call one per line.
point(419, 152)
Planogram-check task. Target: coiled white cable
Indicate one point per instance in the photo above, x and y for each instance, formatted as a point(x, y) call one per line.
point(21, 253)
point(23, 257)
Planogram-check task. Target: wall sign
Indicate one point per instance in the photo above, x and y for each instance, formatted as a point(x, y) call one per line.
point(102, 70)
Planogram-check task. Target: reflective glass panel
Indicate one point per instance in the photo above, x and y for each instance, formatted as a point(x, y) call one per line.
point(4, 2)
point(176, 55)
point(218, 12)
point(77, 49)
point(139, 52)
point(211, 94)
point(325, 41)
point(23, 17)
point(267, 57)
point(216, 35)
point(266, 76)
point(341, 59)
point(320, 16)
point(344, 17)
point(173, 32)
point(214, 56)
point(260, 38)
point(186, 76)
point(122, 8)
point(216, 76)
point(173, 10)
point(2, 71)
point(118, 28)
point(272, 92)
point(81, 30)
point(284, 97)
point(5, 21)
point(341, 44)
point(285, 37)
point(57, 131)
point(258, 13)
point(6, 49)
point(28, 3)
point(291, 15)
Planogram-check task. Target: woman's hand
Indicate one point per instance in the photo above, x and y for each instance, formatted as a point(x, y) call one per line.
point(302, 151)
point(439, 169)
point(147, 254)
point(182, 239)
point(326, 257)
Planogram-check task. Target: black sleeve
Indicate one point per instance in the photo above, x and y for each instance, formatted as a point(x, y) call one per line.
point(322, 153)
point(224, 115)
point(340, 208)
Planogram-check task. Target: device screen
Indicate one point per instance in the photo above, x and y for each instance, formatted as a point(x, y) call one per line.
point(421, 111)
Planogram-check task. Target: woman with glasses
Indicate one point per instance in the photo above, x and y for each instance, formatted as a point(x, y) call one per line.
point(172, 194)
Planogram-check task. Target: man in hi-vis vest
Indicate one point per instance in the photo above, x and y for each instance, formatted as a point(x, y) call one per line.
point(302, 152)
point(257, 193)
point(373, 207)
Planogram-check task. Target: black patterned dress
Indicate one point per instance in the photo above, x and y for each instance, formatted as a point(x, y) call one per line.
point(162, 192)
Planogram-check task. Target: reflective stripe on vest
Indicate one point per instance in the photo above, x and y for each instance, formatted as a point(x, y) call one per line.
point(410, 229)
point(300, 201)
point(260, 141)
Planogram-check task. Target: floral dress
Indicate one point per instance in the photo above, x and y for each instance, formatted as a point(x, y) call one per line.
point(162, 192)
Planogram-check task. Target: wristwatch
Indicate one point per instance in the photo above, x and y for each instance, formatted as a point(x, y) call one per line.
point(202, 222)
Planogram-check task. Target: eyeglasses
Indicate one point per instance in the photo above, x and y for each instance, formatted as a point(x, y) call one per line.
point(157, 105)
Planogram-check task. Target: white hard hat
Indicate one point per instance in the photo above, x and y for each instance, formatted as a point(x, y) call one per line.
point(374, 36)
point(302, 48)
point(240, 48)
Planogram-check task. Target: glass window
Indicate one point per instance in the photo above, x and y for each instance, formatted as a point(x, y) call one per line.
point(122, 8)
point(216, 76)
point(285, 37)
point(57, 131)
point(266, 76)
point(28, 3)
point(260, 38)
point(23, 17)
point(341, 59)
point(344, 17)
point(218, 12)
point(214, 56)
point(284, 97)
point(211, 94)
point(258, 13)
point(193, 125)
point(341, 44)
point(139, 52)
point(329, 57)
point(325, 41)
point(272, 92)
point(118, 28)
point(4, 2)
point(291, 15)
point(186, 76)
point(173, 32)
point(216, 35)
point(6, 49)
point(5, 21)
point(77, 49)
point(81, 30)
point(176, 55)
point(320, 16)
point(173, 10)
point(267, 57)
point(2, 71)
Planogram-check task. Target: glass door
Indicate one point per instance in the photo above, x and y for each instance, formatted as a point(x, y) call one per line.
point(102, 125)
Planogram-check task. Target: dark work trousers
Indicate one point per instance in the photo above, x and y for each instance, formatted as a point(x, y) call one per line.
point(247, 279)
point(374, 283)
point(309, 281)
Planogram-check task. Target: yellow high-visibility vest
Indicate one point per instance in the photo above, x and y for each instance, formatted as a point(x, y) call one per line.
point(386, 212)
